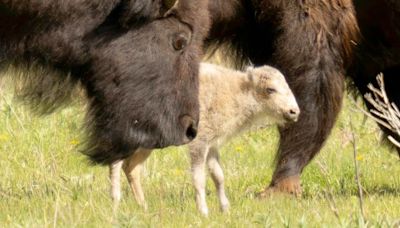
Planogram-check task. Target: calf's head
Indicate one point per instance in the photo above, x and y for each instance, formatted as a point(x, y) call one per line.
point(273, 94)
point(143, 84)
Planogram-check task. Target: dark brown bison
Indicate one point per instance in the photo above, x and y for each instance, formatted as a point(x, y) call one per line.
point(314, 43)
point(378, 49)
point(136, 60)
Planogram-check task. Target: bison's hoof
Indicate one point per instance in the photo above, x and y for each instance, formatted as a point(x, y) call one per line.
point(288, 185)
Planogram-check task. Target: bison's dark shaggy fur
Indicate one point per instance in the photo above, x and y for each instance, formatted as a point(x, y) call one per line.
point(311, 42)
point(136, 60)
point(379, 48)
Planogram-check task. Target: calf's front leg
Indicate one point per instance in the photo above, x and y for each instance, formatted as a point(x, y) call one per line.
point(132, 167)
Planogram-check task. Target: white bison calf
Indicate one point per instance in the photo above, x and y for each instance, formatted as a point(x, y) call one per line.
point(230, 102)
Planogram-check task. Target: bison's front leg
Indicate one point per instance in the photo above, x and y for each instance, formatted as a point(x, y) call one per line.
point(312, 50)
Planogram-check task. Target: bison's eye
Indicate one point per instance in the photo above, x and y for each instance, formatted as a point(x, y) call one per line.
point(270, 91)
point(179, 41)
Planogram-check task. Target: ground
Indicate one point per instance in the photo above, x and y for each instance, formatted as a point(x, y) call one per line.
point(46, 182)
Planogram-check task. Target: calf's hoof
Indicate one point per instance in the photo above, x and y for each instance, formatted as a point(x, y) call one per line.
point(288, 185)
point(225, 207)
point(144, 207)
point(204, 211)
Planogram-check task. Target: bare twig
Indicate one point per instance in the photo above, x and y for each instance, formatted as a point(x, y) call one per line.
point(383, 123)
point(394, 141)
point(384, 112)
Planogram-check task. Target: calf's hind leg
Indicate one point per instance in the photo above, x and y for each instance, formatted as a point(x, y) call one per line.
point(217, 175)
point(198, 155)
point(115, 179)
point(132, 167)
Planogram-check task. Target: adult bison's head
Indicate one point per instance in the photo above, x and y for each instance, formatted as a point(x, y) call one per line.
point(143, 83)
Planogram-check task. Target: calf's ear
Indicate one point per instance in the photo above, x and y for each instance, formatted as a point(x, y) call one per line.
point(249, 68)
point(250, 75)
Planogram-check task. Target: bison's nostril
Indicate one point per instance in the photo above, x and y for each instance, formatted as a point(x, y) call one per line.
point(190, 127)
point(191, 132)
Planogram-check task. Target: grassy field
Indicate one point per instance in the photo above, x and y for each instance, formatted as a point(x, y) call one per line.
point(46, 182)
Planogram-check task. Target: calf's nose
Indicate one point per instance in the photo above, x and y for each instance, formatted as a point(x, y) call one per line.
point(292, 114)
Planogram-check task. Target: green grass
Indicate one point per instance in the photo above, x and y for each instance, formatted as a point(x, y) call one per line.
point(46, 182)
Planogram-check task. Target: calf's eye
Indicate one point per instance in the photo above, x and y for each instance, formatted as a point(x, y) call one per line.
point(179, 41)
point(271, 91)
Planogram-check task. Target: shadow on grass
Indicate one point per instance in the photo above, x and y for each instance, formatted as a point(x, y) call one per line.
point(382, 190)
point(368, 191)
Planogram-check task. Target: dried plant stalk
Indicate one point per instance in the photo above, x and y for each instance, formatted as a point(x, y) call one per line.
point(384, 112)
